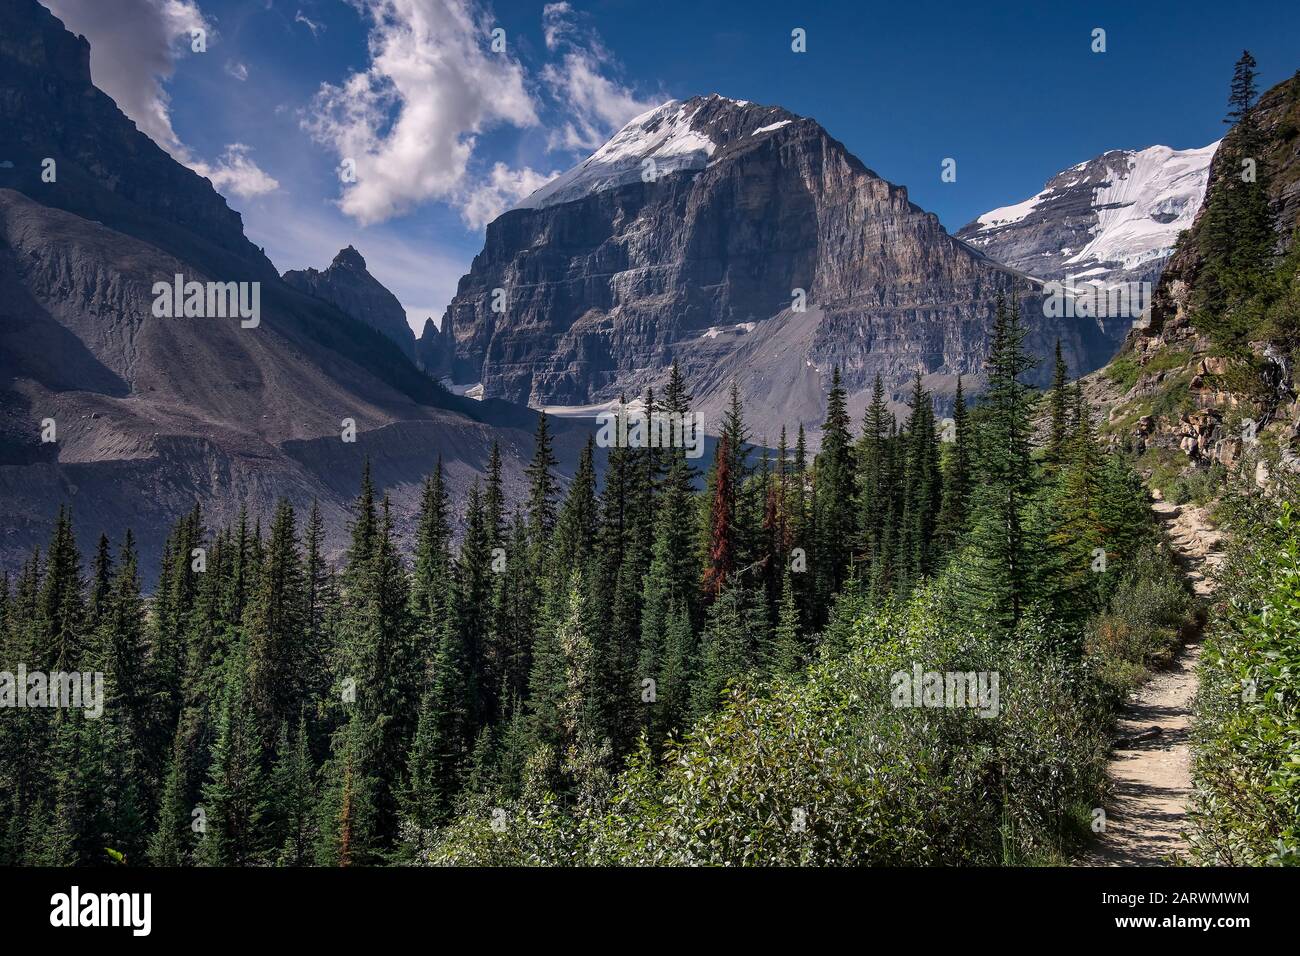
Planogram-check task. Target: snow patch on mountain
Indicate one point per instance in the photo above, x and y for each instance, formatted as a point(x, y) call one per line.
point(664, 134)
point(1140, 215)
point(1111, 219)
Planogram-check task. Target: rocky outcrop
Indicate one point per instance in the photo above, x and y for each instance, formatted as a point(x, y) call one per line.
point(765, 252)
point(435, 352)
point(347, 285)
point(1188, 401)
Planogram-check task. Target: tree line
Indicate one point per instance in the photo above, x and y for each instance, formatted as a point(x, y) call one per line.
point(266, 707)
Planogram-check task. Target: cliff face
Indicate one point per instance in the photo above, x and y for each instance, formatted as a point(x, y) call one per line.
point(153, 415)
point(687, 236)
point(349, 286)
point(435, 352)
point(106, 170)
point(1179, 395)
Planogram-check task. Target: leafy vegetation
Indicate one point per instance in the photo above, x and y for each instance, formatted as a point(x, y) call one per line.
point(638, 672)
point(1247, 730)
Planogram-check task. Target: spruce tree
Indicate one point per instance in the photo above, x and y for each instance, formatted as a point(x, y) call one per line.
point(541, 485)
point(998, 584)
point(957, 478)
point(1058, 436)
point(235, 795)
point(833, 494)
point(275, 623)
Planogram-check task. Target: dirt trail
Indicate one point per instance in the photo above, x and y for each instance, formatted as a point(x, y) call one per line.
point(1150, 772)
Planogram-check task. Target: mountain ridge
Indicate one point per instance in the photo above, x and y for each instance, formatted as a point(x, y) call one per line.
point(601, 292)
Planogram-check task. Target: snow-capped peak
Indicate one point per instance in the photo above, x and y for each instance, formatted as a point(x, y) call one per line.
point(1139, 214)
point(677, 135)
point(663, 134)
point(1112, 218)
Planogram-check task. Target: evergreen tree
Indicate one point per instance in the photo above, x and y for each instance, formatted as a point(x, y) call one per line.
point(541, 485)
point(235, 795)
point(999, 582)
point(833, 491)
point(275, 625)
point(1059, 397)
point(787, 656)
point(957, 478)
point(292, 798)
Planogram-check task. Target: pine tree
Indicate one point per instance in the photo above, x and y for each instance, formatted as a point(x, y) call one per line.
point(292, 798)
point(61, 620)
point(235, 796)
point(922, 490)
point(954, 512)
point(275, 624)
point(999, 582)
point(541, 485)
point(1058, 436)
point(735, 630)
point(833, 491)
point(722, 546)
point(787, 657)
point(873, 486)
point(101, 583)
point(432, 574)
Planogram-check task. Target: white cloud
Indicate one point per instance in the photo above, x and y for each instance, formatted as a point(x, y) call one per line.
point(409, 121)
point(236, 173)
point(598, 105)
point(134, 45)
point(499, 191)
point(134, 48)
point(312, 25)
point(238, 70)
point(556, 23)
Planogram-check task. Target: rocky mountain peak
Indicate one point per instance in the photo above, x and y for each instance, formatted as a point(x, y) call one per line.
point(349, 258)
point(1112, 219)
point(348, 285)
point(743, 241)
point(680, 135)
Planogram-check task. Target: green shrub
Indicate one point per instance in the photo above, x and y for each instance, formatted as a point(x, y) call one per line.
point(1246, 766)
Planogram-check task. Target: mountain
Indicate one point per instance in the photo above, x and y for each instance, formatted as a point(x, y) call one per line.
point(347, 285)
point(686, 237)
point(1212, 379)
point(153, 415)
point(434, 351)
point(1112, 219)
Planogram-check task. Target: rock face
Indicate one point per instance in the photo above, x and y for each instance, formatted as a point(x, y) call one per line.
point(740, 240)
point(347, 285)
point(153, 415)
point(1112, 219)
point(1186, 404)
point(435, 352)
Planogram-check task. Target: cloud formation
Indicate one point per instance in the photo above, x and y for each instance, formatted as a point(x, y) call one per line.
point(409, 121)
point(498, 191)
point(598, 104)
point(134, 48)
point(236, 173)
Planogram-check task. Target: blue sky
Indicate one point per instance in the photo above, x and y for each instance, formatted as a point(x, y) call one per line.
point(444, 132)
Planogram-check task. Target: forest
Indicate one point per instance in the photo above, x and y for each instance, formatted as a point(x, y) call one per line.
point(663, 667)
